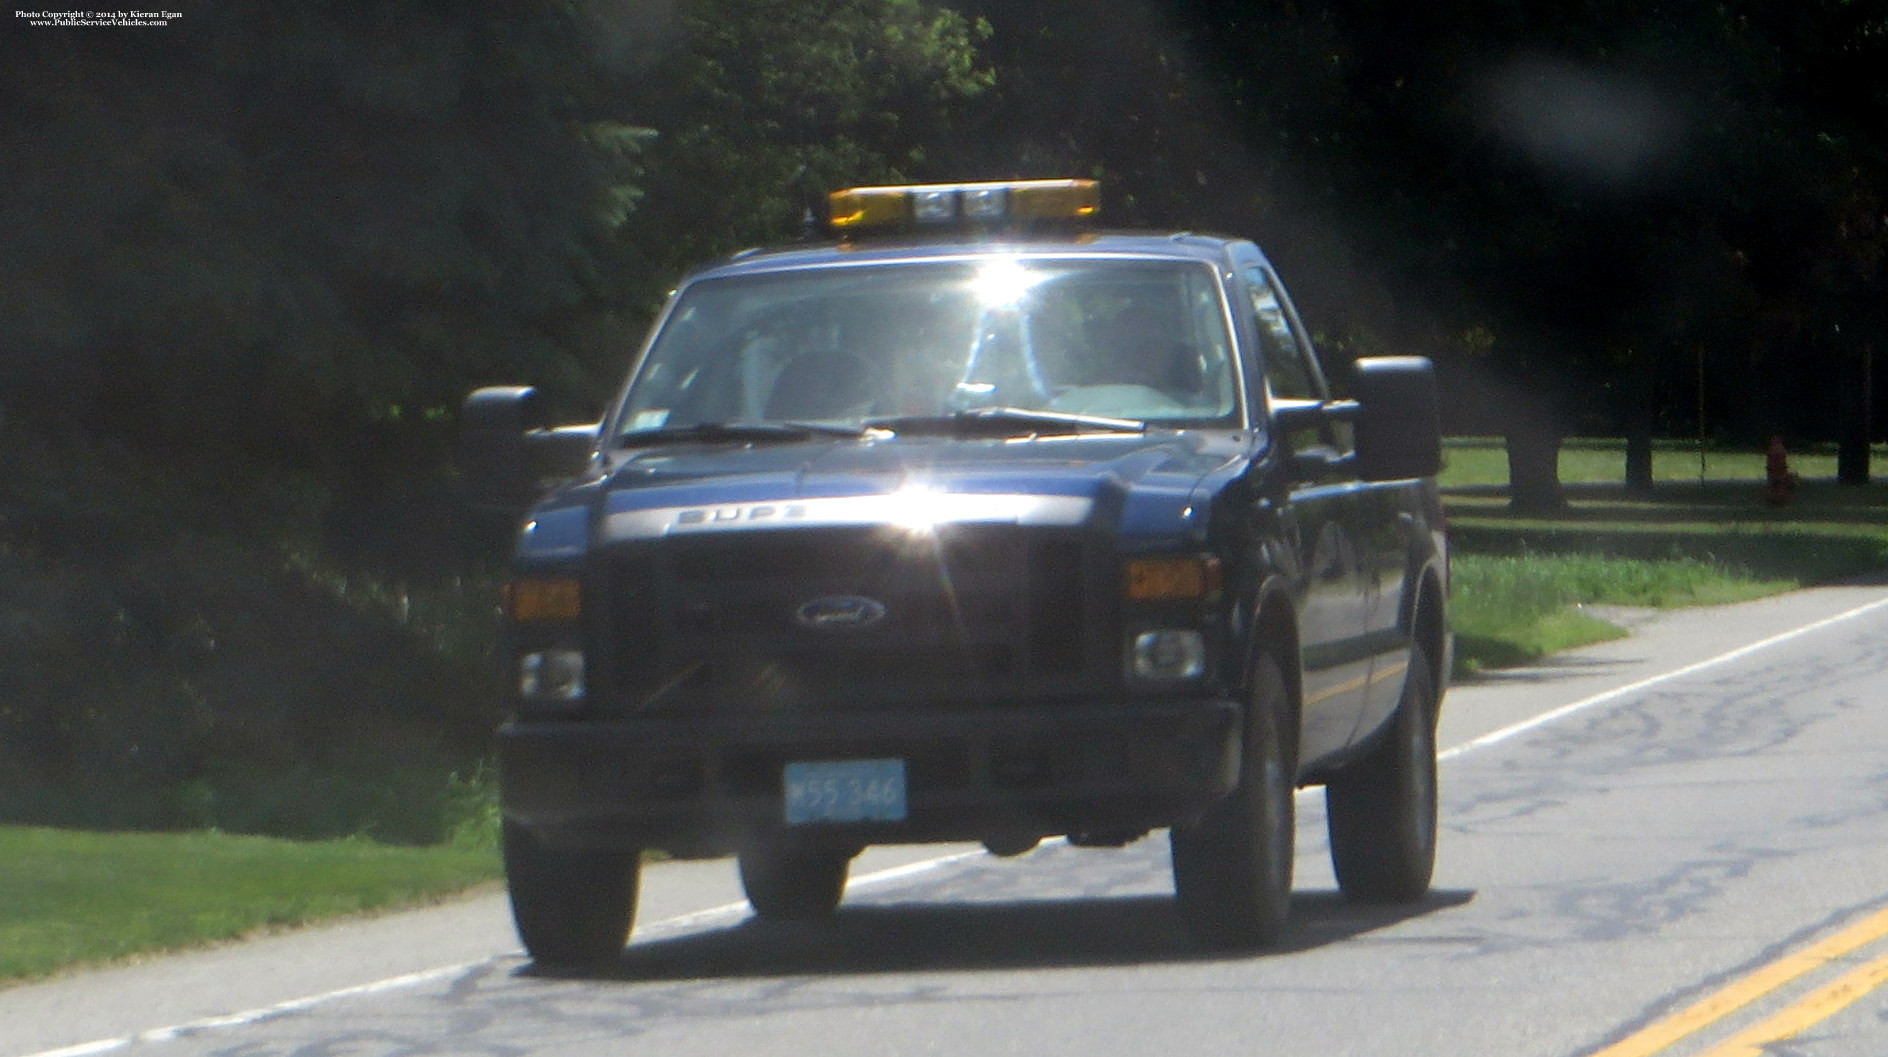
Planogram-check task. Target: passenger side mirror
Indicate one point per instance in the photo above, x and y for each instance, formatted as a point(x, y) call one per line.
point(1399, 423)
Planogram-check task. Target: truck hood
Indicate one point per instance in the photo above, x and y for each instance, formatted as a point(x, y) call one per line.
point(1129, 484)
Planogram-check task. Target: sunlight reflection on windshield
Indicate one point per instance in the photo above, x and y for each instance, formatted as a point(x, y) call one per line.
point(1002, 283)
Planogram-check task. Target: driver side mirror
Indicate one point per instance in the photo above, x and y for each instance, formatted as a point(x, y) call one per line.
point(508, 453)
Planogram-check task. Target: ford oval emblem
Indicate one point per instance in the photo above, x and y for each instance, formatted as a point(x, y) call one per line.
point(840, 613)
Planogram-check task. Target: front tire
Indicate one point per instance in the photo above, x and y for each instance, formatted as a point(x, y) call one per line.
point(570, 907)
point(793, 884)
point(1382, 808)
point(1232, 868)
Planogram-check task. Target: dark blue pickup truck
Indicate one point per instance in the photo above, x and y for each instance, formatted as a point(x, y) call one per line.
point(975, 522)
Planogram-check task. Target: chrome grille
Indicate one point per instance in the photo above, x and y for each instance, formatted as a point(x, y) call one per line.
point(972, 613)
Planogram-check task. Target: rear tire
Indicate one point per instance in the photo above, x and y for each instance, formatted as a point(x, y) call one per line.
point(793, 884)
point(1382, 808)
point(1232, 868)
point(570, 907)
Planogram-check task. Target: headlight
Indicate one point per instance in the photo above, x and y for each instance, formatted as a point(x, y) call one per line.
point(551, 677)
point(1169, 654)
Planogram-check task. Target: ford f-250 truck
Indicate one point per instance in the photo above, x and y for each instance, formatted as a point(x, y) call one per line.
point(973, 523)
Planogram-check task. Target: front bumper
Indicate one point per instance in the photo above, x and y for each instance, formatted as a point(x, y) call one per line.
point(702, 785)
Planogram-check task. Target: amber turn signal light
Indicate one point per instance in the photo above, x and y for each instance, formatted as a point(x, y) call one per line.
point(1157, 579)
point(535, 600)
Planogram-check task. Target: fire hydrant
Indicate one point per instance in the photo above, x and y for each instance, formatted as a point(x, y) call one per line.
point(1781, 483)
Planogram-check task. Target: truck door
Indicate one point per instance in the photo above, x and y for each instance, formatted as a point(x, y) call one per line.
point(1378, 519)
point(1386, 544)
point(1328, 519)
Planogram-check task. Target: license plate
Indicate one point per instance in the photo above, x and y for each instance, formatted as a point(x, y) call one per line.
point(845, 791)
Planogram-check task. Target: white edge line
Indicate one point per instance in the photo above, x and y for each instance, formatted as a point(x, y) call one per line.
point(253, 1016)
point(1617, 692)
point(740, 909)
point(87, 1049)
point(84, 1048)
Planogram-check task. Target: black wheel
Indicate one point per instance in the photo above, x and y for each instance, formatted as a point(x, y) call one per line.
point(1232, 868)
point(1382, 808)
point(571, 907)
point(793, 884)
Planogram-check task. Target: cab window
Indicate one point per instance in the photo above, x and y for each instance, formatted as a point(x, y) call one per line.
point(1291, 374)
point(1288, 370)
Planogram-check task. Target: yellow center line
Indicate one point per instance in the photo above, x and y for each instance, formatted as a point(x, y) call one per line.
point(1818, 1007)
point(1743, 992)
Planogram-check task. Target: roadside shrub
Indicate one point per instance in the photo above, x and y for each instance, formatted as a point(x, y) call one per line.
point(176, 652)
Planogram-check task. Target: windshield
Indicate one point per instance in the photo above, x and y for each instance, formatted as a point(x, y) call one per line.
point(897, 343)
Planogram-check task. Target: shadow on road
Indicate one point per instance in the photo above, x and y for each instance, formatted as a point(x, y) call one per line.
point(1546, 670)
point(1037, 934)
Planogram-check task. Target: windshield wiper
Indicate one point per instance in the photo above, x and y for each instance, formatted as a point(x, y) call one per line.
point(1007, 421)
point(739, 433)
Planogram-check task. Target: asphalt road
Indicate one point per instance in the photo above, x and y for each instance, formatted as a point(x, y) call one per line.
point(1676, 844)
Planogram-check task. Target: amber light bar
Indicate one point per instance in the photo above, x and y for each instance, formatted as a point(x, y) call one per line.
point(906, 207)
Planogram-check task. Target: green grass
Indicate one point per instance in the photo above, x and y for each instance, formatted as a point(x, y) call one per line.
point(1602, 460)
point(1511, 609)
point(76, 897)
point(1520, 580)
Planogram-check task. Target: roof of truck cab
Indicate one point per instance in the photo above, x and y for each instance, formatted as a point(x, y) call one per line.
point(1175, 246)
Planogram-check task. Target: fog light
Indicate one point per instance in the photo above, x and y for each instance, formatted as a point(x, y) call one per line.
point(1169, 655)
point(551, 676)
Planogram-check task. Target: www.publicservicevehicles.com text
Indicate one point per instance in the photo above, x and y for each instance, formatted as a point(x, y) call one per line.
point(98, 18)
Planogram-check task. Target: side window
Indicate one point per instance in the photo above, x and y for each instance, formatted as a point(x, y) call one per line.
point(1287, 367)
point(1290, 371)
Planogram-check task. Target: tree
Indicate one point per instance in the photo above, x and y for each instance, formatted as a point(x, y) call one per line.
point(298, 220)
point(759, 107)
point(1587, 185)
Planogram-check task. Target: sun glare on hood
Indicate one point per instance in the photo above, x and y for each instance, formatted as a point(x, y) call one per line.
point(919, 509)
